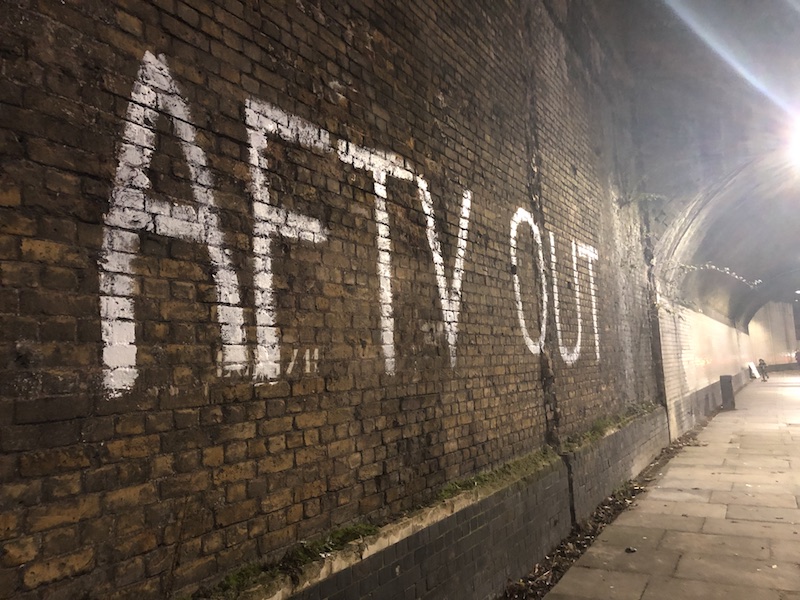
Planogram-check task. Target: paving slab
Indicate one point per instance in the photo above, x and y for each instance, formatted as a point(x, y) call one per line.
point(785, 550)
point(637, 518)
point(700, 461)
point(758, 461)
point(762, 513)
point(766, 488)
point(778, 452)
point(662, 588)
point(720, 521)
point(601, 584)
point(646, 560)
point(782, 531)
point(739, 570)
point(690, 509)
point(678, 494)
point(756, 477)
point(764, 500)
point(723, 545)
point(668, 481)
point(624, 536)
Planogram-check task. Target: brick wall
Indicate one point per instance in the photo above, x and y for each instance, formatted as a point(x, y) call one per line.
point(588, 178)
point(471, 554)
point(475, 552)
point(696, 350)
point(706, 141)
point(596, 470)
point(772, 334)
point(269, 268)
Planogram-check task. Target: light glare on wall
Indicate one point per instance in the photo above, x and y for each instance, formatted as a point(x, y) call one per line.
point(794, 147)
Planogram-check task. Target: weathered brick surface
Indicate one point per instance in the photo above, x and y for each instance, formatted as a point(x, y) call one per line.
point(295, 373)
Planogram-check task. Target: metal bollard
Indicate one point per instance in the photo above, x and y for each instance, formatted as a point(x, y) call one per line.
point(726, 387)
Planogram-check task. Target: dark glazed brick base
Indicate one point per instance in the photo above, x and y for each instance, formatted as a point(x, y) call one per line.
point(600, 468)
point(697, 406)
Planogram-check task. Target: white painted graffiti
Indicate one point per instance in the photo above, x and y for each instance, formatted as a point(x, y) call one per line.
point(383, 165)
point(569, 355)
point(449, 295)
point(523, 216)
point(591, 255)
point(133, 211)
point(310, 360)
point(263, 119)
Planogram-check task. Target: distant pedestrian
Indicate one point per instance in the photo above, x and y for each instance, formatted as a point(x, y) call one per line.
point(762, 369)
point(797, 357)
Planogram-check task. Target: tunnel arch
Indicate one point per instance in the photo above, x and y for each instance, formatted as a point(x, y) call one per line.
point(733, 247)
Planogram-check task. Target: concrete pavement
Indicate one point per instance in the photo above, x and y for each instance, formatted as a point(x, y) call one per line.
point(721, 520)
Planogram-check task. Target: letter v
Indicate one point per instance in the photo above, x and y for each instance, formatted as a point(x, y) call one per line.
point(449, 295)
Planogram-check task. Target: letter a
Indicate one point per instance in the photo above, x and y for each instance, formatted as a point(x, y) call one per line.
point(133, 211)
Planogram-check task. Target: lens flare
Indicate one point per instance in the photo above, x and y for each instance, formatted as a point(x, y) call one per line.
point(705, 30)
point(793, 147)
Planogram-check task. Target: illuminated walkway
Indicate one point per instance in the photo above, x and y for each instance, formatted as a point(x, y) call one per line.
point(721, 521)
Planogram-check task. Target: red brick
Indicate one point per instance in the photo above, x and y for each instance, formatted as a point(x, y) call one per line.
point(194, 571)
point(9, 247)
point(61, 486)
point(59, 540)
point(183, 485)
point(9, 582)
point(13, 223)
point(235, 513)
point(22, 493)
point(235, 472)
point(140, 543)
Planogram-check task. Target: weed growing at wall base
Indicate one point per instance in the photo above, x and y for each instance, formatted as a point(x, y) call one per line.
point(291, 565)
point(501, 476)
point(605, 425)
